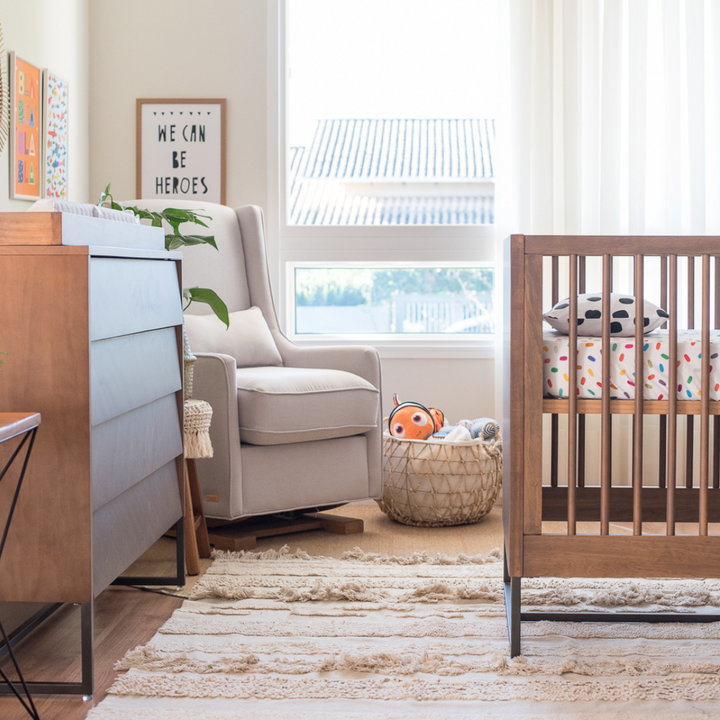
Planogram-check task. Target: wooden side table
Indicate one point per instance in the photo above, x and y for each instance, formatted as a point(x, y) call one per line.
point(198, 415)
point(14, 425)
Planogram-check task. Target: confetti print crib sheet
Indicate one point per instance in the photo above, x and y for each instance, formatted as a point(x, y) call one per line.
point(622, 366)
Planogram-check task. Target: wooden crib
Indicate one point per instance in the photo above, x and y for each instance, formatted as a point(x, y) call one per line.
point(668, 494)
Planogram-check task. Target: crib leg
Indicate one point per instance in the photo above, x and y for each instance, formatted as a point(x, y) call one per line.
point(512, 609)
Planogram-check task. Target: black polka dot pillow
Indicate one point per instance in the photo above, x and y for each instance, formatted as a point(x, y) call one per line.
point(589, 315)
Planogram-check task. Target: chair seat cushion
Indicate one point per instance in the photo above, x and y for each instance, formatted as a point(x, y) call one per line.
point(278, 405)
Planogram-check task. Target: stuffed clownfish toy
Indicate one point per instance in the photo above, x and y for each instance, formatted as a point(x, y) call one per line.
point(413, 421)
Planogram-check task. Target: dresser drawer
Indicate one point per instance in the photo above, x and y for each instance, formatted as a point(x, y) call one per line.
point(129, 371)
point(130, 296)
point(130, 447)
point(129, 524)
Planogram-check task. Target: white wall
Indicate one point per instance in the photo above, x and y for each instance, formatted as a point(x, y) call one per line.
point(53, 34)
point(178, 49)
point(460, 388)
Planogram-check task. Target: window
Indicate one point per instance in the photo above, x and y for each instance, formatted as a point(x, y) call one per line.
point(387, 141)
point(393, 299)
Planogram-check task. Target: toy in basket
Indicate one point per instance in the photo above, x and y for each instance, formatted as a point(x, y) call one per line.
point(413, 421)
point(451, 478)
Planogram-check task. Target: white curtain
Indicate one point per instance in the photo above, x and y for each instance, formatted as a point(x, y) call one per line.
point(609, 122)
point(609, 117)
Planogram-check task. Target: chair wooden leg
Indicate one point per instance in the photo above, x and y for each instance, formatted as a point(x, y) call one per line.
point(243, 534)
point(192, 559)
point(201, 531)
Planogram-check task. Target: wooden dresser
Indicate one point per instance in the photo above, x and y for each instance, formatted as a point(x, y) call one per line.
point(91, 319)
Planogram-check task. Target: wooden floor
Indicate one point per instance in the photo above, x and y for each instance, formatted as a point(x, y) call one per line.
point(125, 617)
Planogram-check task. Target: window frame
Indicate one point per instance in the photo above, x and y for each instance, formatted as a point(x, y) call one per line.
point(291, 246)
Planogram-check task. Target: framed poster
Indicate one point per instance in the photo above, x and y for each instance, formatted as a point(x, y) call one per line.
point(181, 149)
point(55, 136)
point(25, 119)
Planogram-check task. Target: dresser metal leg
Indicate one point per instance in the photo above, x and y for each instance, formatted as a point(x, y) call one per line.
point(178, 580)
point(87, 641)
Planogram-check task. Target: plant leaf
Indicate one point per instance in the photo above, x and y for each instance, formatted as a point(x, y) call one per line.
point(180, 216)
point(205, 295)
point(154, 217)
point(104, 194)
point(175, 241)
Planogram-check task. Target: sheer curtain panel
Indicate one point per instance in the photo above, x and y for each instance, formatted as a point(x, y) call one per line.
point(609, 116)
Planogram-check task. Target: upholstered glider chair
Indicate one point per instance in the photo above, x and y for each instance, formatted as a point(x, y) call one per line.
point(293, 427)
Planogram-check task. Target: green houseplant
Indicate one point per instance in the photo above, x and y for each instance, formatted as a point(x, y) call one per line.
point(175, 217)
point(175, 239)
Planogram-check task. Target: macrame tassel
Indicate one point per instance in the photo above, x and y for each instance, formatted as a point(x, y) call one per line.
point(198, 416)
point(197, 444)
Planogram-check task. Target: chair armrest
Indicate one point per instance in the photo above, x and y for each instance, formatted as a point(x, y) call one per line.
point(214, 374)
point(215, 381)
point(361, 360)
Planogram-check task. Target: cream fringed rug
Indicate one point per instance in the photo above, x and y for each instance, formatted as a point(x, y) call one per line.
point(281, 635)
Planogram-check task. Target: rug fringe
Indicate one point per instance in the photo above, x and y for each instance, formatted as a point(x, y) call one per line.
point(423, 558)
point(359, 555)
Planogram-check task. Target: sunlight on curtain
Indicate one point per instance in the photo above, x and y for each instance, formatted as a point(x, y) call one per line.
point(609, 116)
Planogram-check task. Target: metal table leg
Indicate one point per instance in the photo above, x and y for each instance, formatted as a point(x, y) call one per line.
point(27, 701)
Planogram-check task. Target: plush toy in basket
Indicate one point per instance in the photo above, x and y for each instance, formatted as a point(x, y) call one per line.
point(413, 421)
point(447, 477)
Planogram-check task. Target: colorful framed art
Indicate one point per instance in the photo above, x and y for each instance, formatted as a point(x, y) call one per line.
point(25, 138)
point(55, 136)
point(181, 149)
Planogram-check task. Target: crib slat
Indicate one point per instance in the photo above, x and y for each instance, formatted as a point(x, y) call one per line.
point(662, 431)
point(664, 285)
point(716, 420)
point(554, 439)
point(581, 451)
point(690, 421)
point(572, 395)
point(705, 396)
point(606, 417)
point(672, 397)
point(716, 452)
point(581, 418)
point(554, 428)
point(691, 292)
point(637, 477)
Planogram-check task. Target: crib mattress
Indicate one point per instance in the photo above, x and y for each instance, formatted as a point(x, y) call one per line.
point(622, 366)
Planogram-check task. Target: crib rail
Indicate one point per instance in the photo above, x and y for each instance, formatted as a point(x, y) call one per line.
point(667, 497)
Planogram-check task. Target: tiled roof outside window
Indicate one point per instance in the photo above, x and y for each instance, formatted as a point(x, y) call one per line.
point(443, 169)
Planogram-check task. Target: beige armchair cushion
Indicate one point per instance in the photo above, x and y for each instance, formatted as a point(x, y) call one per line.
point(248, 339)
point(278, 405)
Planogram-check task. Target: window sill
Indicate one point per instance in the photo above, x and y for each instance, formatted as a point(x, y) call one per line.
point(410, 346)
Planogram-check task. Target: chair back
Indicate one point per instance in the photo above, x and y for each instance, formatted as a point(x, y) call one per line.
point(222, 270)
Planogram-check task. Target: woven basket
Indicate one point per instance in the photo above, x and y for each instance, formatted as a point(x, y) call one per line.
point(436, 483)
